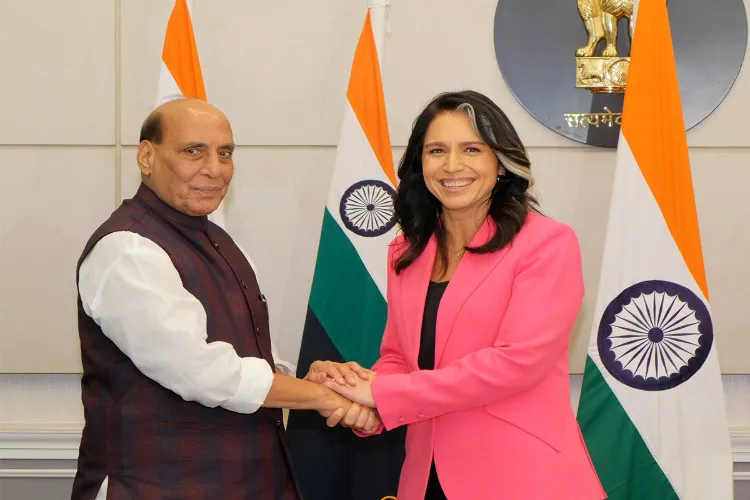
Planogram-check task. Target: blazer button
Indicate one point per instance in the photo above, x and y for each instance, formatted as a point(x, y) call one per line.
point(244, 285)
point(402, 420)
point(420, 416)
point(216, 245)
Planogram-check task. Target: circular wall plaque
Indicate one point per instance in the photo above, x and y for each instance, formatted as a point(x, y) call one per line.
point(536, 43)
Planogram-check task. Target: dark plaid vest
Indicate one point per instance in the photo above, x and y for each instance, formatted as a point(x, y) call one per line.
point(149, 442)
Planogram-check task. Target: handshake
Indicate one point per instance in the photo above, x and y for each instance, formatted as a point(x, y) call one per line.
point(349, 402)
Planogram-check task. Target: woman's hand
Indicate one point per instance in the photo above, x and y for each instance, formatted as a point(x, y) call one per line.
point(348, 414)
point(362, 419)
point(361, 393)
point(342, 373)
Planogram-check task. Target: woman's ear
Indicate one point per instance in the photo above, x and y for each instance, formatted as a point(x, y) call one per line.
point(500, 169)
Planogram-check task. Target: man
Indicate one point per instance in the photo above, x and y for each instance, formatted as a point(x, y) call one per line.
point(180, 397)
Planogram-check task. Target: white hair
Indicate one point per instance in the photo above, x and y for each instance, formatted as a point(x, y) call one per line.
point(505, 161)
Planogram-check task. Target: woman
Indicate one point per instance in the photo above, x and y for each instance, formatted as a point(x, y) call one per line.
point(483, 292)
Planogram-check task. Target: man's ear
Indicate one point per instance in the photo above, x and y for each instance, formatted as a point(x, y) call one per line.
point(145, 157)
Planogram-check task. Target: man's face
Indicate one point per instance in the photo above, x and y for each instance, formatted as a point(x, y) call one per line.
point(192, 167)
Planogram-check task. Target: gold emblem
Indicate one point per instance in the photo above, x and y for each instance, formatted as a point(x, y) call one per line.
point(608, 72)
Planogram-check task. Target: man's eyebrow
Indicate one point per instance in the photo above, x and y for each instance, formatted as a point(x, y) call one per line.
point(196, 145)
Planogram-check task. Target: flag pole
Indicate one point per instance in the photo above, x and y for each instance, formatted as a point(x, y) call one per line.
point(379, 11)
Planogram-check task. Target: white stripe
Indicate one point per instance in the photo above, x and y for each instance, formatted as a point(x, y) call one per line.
point(168, 89)
point(356, 161)
point(685, 427)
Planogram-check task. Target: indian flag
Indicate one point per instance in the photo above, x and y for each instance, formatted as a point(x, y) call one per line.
point(652, 406)
point(181, 75)
point(347, 306)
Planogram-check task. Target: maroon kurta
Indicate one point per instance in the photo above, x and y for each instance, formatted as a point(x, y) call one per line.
point(149, 442)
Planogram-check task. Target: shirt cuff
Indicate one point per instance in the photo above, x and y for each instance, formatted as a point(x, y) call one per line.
point(256, 378)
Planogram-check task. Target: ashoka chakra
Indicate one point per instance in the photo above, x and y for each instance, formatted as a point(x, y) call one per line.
point(655, 335)
point(367, 208)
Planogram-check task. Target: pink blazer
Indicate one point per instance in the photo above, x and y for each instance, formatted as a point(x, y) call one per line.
point(496, 410)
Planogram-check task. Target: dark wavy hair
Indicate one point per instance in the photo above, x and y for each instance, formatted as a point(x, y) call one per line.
point(418, 212)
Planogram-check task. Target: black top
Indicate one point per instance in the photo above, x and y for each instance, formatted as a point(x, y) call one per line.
point(426, 358)
point(426, 361)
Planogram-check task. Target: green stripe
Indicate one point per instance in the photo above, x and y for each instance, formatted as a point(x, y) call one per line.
point(345, 298)
point(626, 467)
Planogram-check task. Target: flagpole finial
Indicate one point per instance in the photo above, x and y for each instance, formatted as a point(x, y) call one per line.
point(382, 4)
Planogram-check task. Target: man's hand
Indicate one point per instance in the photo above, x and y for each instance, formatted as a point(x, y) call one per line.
point(361, 393)
point(342, 373)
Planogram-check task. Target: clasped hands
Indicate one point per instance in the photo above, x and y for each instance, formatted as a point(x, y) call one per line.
point(353, 405)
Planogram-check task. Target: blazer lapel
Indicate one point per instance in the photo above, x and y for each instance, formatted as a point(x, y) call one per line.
point(414, 296)
point(471, 272)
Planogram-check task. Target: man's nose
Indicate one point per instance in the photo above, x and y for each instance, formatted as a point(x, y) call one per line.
point(212, 167)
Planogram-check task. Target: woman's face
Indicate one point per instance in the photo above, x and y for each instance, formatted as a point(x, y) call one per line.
point(459, 169)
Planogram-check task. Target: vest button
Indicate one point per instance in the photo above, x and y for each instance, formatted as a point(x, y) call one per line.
point(244, 285)
point(216, 245)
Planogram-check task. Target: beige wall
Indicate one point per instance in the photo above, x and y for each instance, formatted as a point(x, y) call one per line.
point(75, 90)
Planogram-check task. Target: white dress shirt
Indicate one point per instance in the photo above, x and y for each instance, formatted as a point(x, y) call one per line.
point(130, 288)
